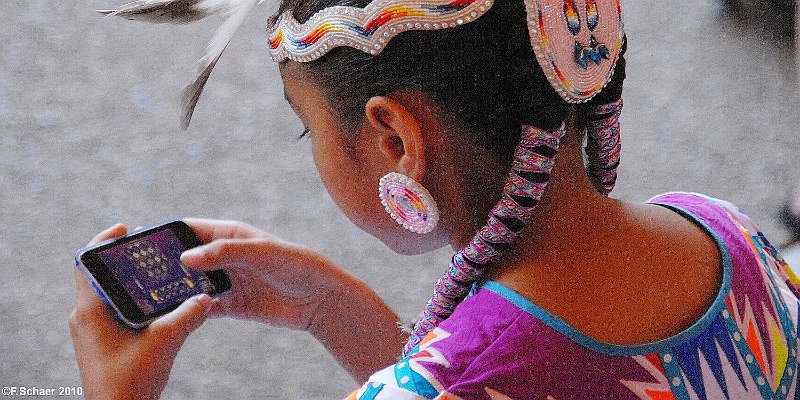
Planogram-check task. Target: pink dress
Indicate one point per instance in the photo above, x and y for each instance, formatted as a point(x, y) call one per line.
point(499, 345)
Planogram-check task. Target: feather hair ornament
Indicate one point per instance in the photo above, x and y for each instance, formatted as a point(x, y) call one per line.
point(185, 11)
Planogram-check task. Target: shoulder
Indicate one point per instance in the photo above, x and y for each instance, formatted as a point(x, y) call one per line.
point(739, 234)
point(751, 255)
point(701, 205)
point(719, 217)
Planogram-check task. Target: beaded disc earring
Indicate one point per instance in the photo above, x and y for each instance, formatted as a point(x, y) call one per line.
point(408, 202)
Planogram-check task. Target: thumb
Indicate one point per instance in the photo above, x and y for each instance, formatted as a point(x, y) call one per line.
point(185, 319)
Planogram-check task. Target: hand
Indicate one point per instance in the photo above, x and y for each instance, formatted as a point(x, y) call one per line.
point(289, 285)
point(273, 281)
point(118, 363)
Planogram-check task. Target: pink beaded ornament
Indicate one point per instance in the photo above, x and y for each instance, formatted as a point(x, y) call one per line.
point(408, 202)
point(577, 43)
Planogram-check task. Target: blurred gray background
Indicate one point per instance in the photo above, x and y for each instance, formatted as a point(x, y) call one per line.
point(89, 137)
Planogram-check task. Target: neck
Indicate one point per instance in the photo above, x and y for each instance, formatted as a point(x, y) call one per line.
point(568, 220)
point(570, 201)
point(566, 210)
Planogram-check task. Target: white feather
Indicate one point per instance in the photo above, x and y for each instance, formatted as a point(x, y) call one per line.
point(174, 11)
point(159, 11)
point(183, 11)
point(192, 92)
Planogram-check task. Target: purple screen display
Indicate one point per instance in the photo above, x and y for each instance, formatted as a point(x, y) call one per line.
point(150, 270)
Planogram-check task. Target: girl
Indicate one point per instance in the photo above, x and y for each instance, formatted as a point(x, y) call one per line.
point(470, 118)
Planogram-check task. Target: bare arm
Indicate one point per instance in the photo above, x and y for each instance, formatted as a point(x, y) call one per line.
point(358, 329)
point(288, 285)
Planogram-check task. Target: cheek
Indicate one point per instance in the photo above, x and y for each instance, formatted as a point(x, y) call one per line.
point(334, 168)
point(347, 183)
point(355, 192)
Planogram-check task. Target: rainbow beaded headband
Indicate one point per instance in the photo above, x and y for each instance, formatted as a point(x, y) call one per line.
point(576, 42)
point(368, 29)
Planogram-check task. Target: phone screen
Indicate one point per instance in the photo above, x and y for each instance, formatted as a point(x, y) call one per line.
point(141, 275)
point(150, 270)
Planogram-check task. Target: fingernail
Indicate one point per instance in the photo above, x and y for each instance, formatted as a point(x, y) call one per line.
point(190, 255)
point(205, 301)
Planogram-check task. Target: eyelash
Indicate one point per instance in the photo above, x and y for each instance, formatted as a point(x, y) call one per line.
point(306, 134)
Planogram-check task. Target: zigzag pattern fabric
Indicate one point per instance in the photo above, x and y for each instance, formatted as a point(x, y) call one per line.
point(603, 145)
point(530, 172)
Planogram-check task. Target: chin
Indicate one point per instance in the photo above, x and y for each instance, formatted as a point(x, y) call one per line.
point(403, 241)
point(410, 243)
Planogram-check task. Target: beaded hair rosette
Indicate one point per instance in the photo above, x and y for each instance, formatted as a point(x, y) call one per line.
point(367, 29)
point(577, 43)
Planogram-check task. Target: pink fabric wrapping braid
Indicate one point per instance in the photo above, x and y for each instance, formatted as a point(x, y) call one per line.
point(603, 145)
point(530, 172)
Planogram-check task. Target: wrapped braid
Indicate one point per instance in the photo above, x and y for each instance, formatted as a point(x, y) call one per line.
point(603, 145)
point(530, 172)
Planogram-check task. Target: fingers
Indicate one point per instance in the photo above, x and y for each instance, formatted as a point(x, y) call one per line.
point(230, 253)
point(218, 309)
point(86, 294)
point(110, 233)
point(209, 230)
point(218, 252)
point(185, 319)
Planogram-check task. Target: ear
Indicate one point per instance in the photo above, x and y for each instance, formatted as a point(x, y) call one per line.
point(399, 136)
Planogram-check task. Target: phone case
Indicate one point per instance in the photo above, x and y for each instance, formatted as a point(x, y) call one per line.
point(143, 274)
point(117, 313)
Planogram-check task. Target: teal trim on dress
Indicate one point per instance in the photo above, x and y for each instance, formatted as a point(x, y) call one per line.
point(581, 338)
point(372, 391)
point(411, 380)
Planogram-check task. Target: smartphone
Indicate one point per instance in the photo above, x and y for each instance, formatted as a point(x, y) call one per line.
point(140, 275)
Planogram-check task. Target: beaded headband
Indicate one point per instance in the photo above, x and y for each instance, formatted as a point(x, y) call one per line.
point(367, 29)
point(576, 42)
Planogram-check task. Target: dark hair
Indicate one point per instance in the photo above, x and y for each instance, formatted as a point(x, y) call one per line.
point(483, 75)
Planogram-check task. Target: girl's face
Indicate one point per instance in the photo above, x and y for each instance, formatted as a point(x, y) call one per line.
point(351, 164)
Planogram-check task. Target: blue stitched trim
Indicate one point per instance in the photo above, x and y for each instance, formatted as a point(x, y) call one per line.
point(372, 391)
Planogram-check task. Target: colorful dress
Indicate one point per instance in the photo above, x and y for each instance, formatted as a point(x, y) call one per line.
point(499, 345)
